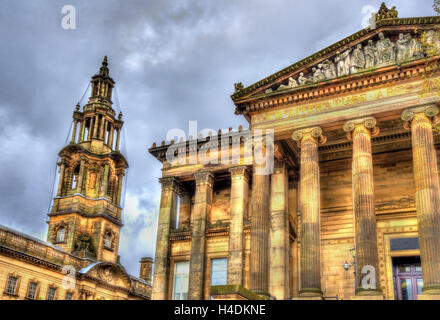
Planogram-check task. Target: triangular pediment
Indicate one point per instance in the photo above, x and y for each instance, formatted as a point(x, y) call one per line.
point(389, 40)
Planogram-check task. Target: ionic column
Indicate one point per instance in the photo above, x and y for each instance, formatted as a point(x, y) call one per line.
point(61, 179)
point(259, 249)
point(427, 192)
point(168, 211)
point(95, 127)
point(279, 233)
point(75, 124)
point(81, 130)
point(238, 205)
point(202, 206)
point(360, 131)
point(118, 135)
point(309, 207)
point(110, 138)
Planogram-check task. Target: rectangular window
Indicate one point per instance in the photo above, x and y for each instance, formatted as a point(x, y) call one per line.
point(12, 285)
point(51, 293)
point(219, 269)
point(32, 290)
point(181, 273)
point(69, 296)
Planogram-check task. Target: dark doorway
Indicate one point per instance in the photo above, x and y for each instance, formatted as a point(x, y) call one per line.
point(408, 280)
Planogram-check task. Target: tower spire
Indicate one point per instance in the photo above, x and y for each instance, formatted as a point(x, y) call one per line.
point(102, 86)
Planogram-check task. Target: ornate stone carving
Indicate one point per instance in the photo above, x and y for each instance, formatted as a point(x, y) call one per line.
point(238, 86)
point(430, 111)
point(304, 80)
point(368, 122)
point(342, 61)
point(329, 69)
point(357, 60)
point(314, 133)
point(370, 53)
point(385, 13)
point(318, 74)
point(291, 84)
point(385, 49)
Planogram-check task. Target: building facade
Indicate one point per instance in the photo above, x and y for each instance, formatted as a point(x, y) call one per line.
point(350, 208)
point(80, 258)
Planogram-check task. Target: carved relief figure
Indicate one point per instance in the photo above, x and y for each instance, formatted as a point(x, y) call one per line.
point(370, 52)
point(291, 84)
point(329, 69)
point(342, 61)
point(303, 80)
point(385, 49)
point(318, 75)
point(357, 59)
point(403, 46)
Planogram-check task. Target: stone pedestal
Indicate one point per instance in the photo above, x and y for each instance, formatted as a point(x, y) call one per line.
point(167, 213)
point(202, 206)
point(427, 194)
point(360, 131)
point(239, 202)
point(309, 207)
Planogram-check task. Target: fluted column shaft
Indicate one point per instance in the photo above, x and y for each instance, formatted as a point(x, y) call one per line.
point(309, 206)
point(202, 206)
point(360, 131)
point(427, 193)
point(168, 209)
point(239, 201)
point(259, 255)
point(279, 234)
point(61, 179)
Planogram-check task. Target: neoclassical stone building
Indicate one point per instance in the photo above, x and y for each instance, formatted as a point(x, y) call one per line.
point(351, 207)
point(80, 259)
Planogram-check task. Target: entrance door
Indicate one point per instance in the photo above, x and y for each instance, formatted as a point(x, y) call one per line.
point(408, 280)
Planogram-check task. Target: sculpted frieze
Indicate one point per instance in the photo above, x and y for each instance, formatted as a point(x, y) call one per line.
point(361, 57)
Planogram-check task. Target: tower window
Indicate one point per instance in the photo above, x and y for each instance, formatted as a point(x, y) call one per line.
point(181, 272)
point(69, 295)
point(61, 233)
point(75, 177)
point(108, 240)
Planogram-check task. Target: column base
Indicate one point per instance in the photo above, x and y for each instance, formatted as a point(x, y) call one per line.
point(431, 292)
point(368, 297)
point(235, 292)
point(310, 294)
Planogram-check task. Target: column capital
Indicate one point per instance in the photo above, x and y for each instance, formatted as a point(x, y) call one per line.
point(366, 124)
point(239, 172)
point(313, 134)
point(430, 111)
point(203, 177)
point(169, 183)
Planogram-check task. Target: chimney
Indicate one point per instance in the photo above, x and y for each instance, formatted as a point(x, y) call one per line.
point(146, 269)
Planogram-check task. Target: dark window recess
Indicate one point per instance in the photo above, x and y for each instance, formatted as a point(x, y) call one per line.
point(404, 244)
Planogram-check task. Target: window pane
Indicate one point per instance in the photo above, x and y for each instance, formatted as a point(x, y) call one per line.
point(218, 271)
point(418, 268)
point(181, 280)
point(51, 294)
point(69, 296)
point(419, 286)
point(406, 289)
point(32, 291)
point(12, 285)
point(60, 234)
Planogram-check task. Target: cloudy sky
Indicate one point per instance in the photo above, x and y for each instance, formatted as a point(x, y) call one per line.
point(173, 61)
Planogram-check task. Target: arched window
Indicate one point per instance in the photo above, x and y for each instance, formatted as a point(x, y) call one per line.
point(75, 177)
point(108, 240)
point(61, 234)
